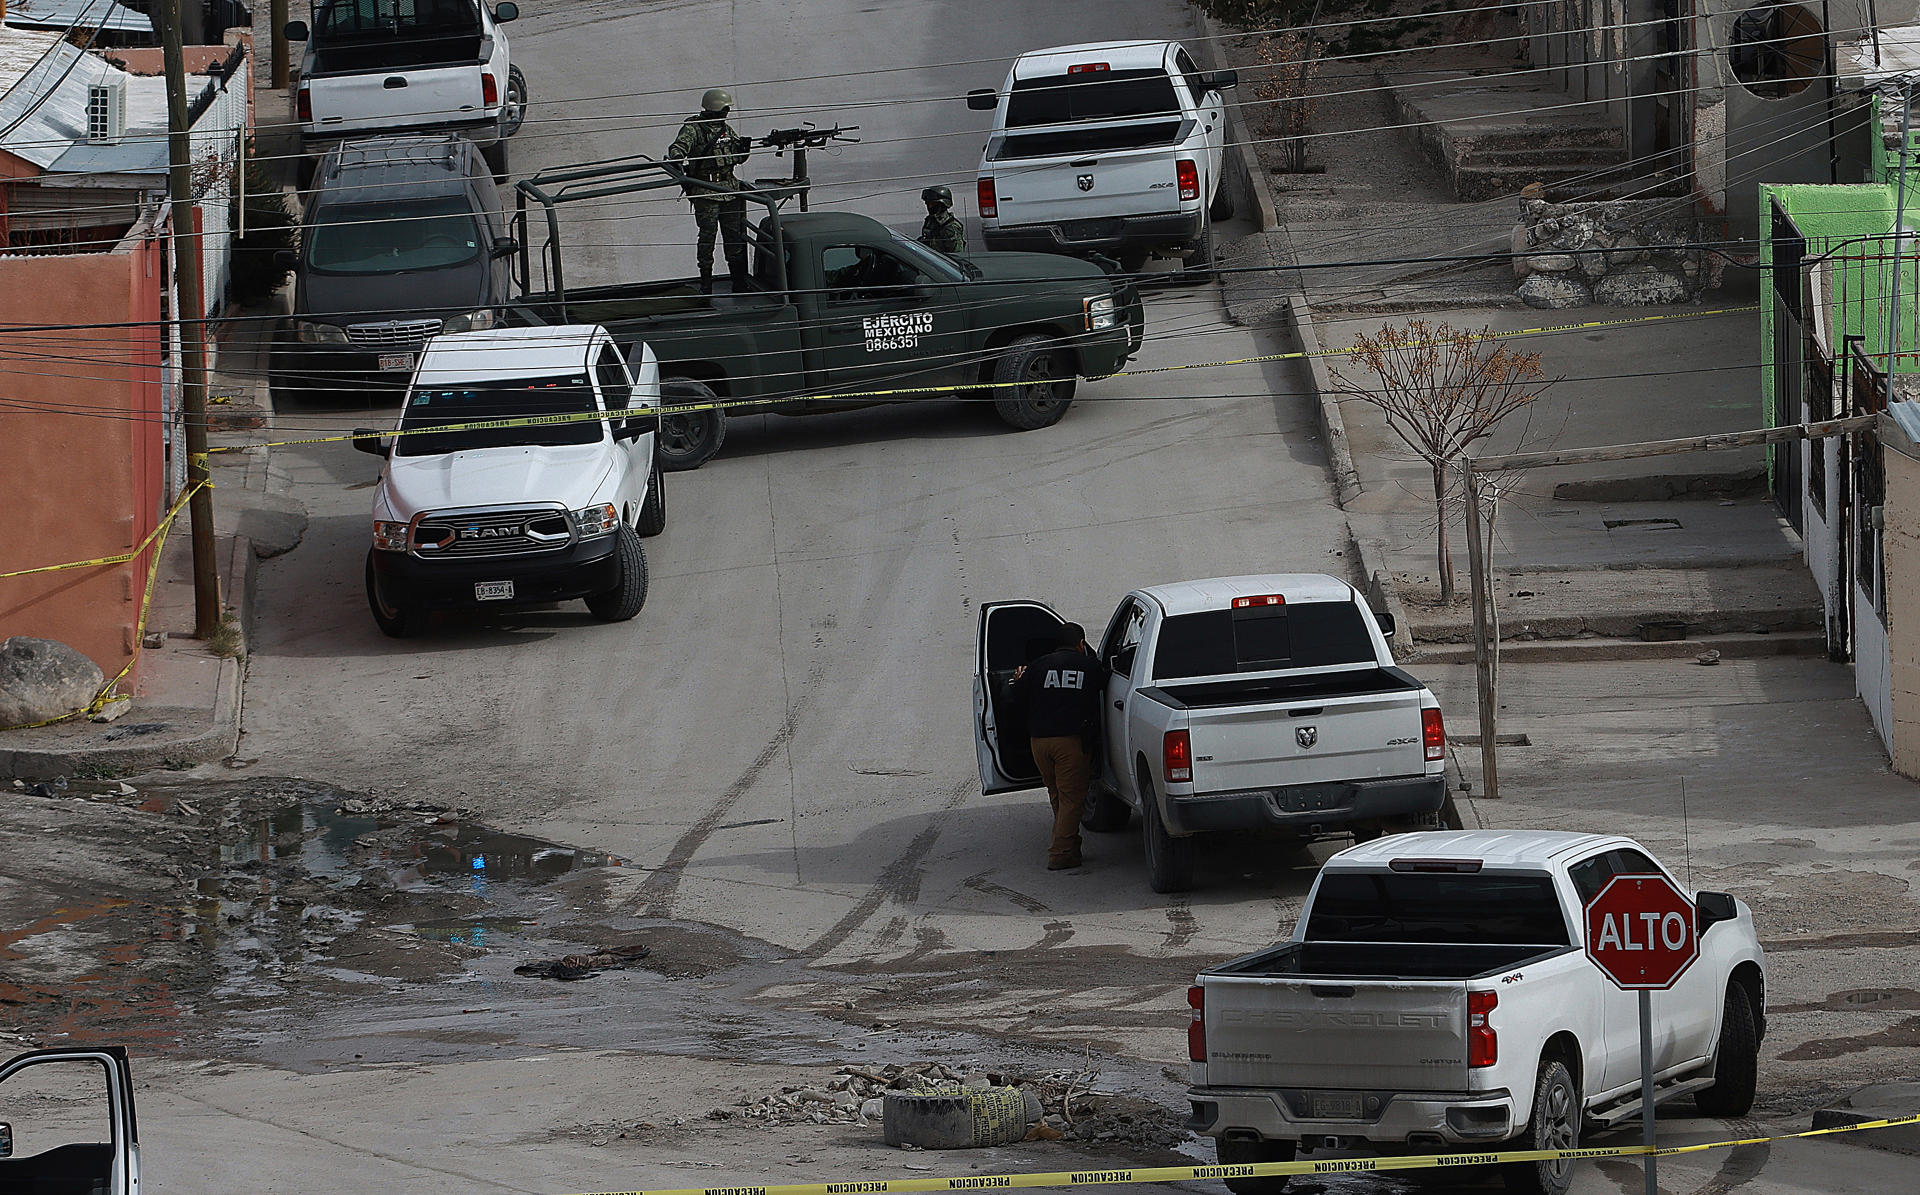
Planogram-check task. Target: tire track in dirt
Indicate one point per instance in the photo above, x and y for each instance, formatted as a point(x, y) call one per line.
point(899, 881)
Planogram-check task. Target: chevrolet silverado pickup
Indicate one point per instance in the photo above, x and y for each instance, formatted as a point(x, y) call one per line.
point(1436, 995)
point(840, 312)
point(1238, 704)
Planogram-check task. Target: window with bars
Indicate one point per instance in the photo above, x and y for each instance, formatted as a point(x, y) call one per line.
point(1869, 495)
point(1819, 408)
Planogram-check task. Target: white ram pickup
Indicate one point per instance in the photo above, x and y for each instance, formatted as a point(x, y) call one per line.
point(1436, 994)
point(1109, 147)
point(408, 66)
point(523, 472)
point(1237, 704)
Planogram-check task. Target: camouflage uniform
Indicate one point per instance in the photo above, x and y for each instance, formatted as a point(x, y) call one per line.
point(708, 150)
point(943, 231)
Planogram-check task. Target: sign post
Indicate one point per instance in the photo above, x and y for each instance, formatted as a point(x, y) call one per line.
point(1643, 935)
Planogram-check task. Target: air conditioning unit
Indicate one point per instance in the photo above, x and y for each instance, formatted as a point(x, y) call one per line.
point(106, 112)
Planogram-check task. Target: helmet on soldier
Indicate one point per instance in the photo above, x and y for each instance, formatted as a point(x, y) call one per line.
point(717, 99)
point(937, 195)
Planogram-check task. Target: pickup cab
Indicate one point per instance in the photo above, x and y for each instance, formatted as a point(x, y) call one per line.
point(1436, 994)
point(469, 514)
point(840, 312)
point(401, 66)
point(1114, 147)
point(69, 1127)
point(1237, 704)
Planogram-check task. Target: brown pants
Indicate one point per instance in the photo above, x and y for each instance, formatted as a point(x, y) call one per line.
point(1065, 770)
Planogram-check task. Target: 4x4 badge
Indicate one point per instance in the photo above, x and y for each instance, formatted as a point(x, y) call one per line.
point(1306, 736)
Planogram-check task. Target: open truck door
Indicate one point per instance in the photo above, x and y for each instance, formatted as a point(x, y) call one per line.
point(1011, 633)
point(66, 1123)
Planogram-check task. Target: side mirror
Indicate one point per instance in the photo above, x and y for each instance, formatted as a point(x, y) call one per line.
point(1220, 80)
point(1386, 623)
point(286, 259)
point(296, 31)
point(6, 1139)
point(366, 440)
point(1711, 908)
point(506, 11)
point(505, 246)
point(985, 99)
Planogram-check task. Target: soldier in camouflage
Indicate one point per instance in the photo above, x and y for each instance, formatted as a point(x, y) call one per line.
point(707, 149)
point(942, 229)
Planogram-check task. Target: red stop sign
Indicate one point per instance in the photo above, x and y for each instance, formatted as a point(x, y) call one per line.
point(1640, 931)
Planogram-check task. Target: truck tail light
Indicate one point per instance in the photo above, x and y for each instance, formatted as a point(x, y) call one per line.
point(1086, 68)
point(489, 90)
point(1483, 1044)
point(305, 101)
point(983, 195)
point(1263, 599)
point(1189, 176)
point(1197, 1027)
point(1433, 732)
point(1177, 755)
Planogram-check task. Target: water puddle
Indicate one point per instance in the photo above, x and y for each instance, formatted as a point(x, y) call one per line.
point(472, 931)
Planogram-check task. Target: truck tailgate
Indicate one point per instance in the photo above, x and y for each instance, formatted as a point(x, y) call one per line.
point(1306, 740)
point(397, 99)
point(1381, 1035)
point(1084, 182)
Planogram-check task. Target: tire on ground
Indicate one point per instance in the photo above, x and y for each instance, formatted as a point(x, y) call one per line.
point(1737, 1060)
point(969, 1118)
point(495, 156)
point(1030, 389)
point(1169, 859)
point(396, 620)
point(1248, 1153)
point(1222, 206)
point(653, 508)
point(1555, 1124)
point(689, 440)
point(1105, 812)
point(624, 600)
point(516, 87)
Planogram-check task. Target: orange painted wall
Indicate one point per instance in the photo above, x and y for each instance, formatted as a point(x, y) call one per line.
point(81, 464)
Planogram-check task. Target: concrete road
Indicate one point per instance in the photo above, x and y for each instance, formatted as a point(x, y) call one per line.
point(780, 741)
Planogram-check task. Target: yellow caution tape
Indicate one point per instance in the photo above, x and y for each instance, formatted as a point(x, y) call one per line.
point(158, 532)
point(739, 404)
point(1178, 1174)
point(159, 539)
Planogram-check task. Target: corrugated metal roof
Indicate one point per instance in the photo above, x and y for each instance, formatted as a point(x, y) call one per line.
point(142, 151)
point(43, 109)
point(1907, 415)
point(61, 15)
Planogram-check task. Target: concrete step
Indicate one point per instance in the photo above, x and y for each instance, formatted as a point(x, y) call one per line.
point(1536, 651)
point(1563, 182)
point(1589, 157)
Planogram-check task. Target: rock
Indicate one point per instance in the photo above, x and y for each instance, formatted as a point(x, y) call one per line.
point(1629, 250)
point(153, 639)
point(42, 678)
point(1641, 286)
point(1550, 261)
point(1517, 245)
point(1554, 292)
point(1593, 263)
point(874, 1109)
point(114, 707)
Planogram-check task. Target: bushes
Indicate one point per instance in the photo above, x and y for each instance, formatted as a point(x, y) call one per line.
point(270, 228)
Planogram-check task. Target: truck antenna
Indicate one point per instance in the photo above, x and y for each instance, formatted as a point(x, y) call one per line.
point(1686, 832)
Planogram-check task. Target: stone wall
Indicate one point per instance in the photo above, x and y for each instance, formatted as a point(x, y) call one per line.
point(1617, 252)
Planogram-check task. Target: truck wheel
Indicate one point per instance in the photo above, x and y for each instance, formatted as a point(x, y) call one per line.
point(495, 156)
point(513, 112)
point(395, 619)
point(1169, 859)
point(1250, 1153)
point(624, 600)
point(1197, 266)
point(1105, 812)
point(653, 509)
point(689, 440)
point(1736, 1061)
point(1555, 1125)
point(1032, 389)
point(1222, 206)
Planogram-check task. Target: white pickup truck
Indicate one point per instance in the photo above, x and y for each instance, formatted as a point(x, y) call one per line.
point(408, 66)
point(1237, 704)
point(1114, 147)
point(533, 512)
point(1436, 993)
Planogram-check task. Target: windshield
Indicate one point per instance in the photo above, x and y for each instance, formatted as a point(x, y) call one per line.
point(943, 267)
point(356, 19)
point(512, 398)
point(1262, 639)
point(1091, 95)
point(393, 238)
point(1427, 907)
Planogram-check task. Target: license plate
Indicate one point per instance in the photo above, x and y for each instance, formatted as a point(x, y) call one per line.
point(392, 361)
point(1333, 1105)
point(492, 591)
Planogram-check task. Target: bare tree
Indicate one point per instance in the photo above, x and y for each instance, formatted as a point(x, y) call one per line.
point(1291, 60)
point(1441, 388)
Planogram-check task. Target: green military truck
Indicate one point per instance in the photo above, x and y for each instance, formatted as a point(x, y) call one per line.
point(840, 312)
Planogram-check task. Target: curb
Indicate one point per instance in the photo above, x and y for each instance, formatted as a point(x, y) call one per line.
point(1539, 651)
point(1248, 180)
point(1346, 478)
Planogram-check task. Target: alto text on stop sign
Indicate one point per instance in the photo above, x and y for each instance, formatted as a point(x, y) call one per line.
point(1656, 931)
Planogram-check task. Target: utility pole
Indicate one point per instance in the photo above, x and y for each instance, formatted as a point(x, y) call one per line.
point(282, 53)
point(1899, 227)
point(190, 311)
